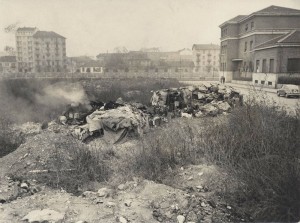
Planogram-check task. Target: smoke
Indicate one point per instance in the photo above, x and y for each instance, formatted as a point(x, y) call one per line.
point(57, 94)
point(38, 100)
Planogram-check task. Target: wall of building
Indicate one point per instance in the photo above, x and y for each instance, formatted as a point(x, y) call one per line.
point(277, 22)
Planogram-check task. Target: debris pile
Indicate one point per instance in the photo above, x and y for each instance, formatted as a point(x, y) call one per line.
point(196, 101)
point(114, 120)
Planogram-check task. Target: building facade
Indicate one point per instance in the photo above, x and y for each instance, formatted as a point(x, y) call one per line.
point(8, 64)
point(265, 41)
point(206, 58)
point(40, 51)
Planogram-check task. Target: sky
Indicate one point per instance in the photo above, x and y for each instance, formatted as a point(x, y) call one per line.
point(98, 26)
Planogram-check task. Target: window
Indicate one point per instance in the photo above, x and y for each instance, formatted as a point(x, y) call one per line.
point(250, 66)
point(246, 27)
point(257, 66)
point(252, 25)
point(271, 67)
point(293, 65)
point(166, 70)
point(176, 70)
point(269, 83)
point(245, 49)
point(264, 66)
point(256, 81)
point(262, 82)
point(251, 45)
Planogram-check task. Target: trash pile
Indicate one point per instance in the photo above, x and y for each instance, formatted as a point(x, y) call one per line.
point(114, 120)
point(196, 101)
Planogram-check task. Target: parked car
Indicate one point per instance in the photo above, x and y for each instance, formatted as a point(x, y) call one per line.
point(289, 90)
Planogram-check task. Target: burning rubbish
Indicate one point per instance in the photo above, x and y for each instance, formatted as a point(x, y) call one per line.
point(114, 120)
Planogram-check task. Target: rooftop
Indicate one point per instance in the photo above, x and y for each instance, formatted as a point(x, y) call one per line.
point(47, 34)
point(292, 37)
point(206, 47)
point(26, 29)
point(269, 11)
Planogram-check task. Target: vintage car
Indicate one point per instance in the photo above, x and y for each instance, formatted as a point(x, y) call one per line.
point(289, 90)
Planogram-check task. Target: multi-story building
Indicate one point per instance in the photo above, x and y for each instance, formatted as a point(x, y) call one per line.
point(8, 64)
point(266, 41)
point(206, 58)
point(40, 51)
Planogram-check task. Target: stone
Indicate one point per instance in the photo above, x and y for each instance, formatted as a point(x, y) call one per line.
point(110, 204)
point(128, 203)
point(88, 194)
point(81, 221)
point(190, 178)
point(121, 187)
point(24, 186)
point(229, 207)
point(103, 192)
point(203, 204)
point(200, 174)
point(122, 220)
point(224, 106)
point(180, 219)
point(192, 216)
point(45, 215)
point(199, 187)
point(212, 203)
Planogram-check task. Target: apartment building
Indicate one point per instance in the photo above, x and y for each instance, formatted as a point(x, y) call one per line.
point(206, 58)
point(266, 41)
point(40, 51)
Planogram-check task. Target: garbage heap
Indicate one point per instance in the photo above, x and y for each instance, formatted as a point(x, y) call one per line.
point(195, 101)
point(113, 121)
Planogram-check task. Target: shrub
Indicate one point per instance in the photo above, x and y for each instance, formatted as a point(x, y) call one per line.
point(259, 144)
point(76, 169)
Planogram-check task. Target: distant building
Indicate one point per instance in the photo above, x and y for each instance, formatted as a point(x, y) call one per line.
point(8, 64)
point(206, 58)
point(92, 67)
point(40, 51)
point(266, 41)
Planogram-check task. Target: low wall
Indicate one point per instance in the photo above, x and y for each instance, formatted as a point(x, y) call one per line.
point(241, 82)
point(179, 75)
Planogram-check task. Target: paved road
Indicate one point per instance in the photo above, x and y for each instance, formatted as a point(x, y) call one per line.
point(290, 104)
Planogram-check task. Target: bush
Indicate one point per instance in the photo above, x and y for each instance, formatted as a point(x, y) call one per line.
point(78, 169)
point(259, 144)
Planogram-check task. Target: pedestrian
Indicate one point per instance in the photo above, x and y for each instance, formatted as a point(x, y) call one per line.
point(222, 79)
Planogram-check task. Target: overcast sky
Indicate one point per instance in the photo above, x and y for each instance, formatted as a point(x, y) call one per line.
point(95, 26)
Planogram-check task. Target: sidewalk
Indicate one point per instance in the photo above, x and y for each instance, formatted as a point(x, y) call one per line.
point(270, 90)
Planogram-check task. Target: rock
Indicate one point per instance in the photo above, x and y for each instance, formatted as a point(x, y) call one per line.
point(190, 178)
point(2, 200)
point(199, 187)
point(110, 204)
point(180, 219)
point(121, 187)
point(24, 186)
point(229, 207)
point(122, 220)
point(128, 203)
point(212, 203)
point(81, 221)
point(88, 194)
point(203, 204)
point(103, 192)
point(224, 106)
point(45, 215)
point(200, 174)
point(192, 216)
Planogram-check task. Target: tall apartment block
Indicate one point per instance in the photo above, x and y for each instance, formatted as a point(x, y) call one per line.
point(40, 51)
